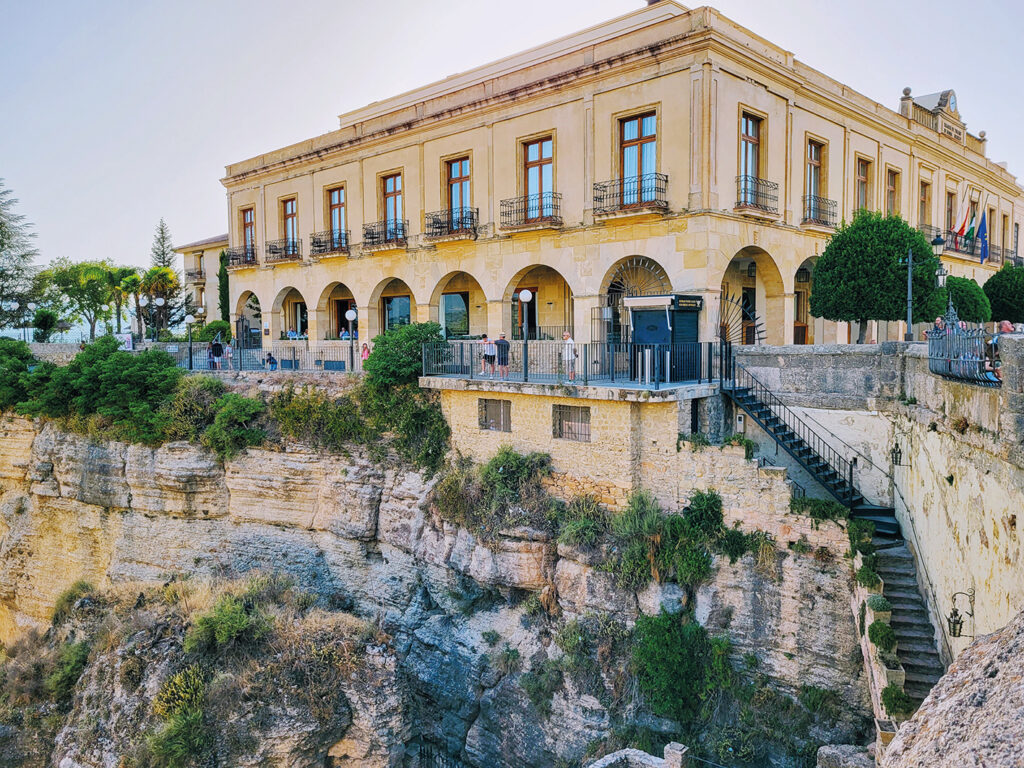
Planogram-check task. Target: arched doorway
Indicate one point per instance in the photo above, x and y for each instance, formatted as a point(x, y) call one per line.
point(335, 301)
point(248, 321)
point(290, 315)
point(392, 304)
point(804, 325)
point(753, 284)
point(460, 304)
point(550, 309)
point(632, 276)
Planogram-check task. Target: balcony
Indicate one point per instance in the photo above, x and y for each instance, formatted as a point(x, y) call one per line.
point(452, 224)
point(195, 276)
point(532, 211)
point(283, 250)
point(386, 235)
point(242, 256)
point(819, 211)
point(637, 194)
point(757, 196)
point(331, 242)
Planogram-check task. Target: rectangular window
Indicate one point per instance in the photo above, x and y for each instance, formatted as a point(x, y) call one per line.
point(397, 310)
point(455, 314)
point(391, 187)
point(459, 193)
point(495, 415)
point(750, 146)
point(1016, 238)
point(892, 192)
point(1004, 232)
point(289, 216)
point(571, 422)
point(538, 175)
point(638, 139)
point(249, 229)
point(336, 215)
point(924, 205)
point(815, 150)
point(950, 210)
point(863, 191)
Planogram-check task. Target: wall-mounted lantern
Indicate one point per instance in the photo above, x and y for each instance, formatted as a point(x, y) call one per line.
point(803, 275)
point(896, 455)
point(752, 269)
point(955, 620)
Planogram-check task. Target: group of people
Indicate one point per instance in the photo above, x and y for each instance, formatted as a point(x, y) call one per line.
point(495, 355)
point(219, 355)
point(270, 362)
point(961, 357)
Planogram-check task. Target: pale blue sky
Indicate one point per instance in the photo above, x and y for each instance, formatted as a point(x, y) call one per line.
point(113, 114)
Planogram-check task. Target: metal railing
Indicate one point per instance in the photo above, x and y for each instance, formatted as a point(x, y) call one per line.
point(956, 351)
point(283, 250)
point(331, 241)
point(643, 366)
point(242, 256)
point(340, 357)
point(390, 233)
point(194, 275)
point(819, 210)
point(541, 332)
point(544, 208)
point(761, 195)
point(452, 222)
point(736, 377)
point(646, 191)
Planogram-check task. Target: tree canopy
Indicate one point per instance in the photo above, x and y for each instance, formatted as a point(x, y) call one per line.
point(969, 299)
point(859, 276)
point(223, 293)
point(85, 286)
point(16, 260)
point(162, 252)
point(1005, 292)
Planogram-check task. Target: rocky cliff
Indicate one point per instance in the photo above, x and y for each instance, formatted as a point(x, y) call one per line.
point(358, 534)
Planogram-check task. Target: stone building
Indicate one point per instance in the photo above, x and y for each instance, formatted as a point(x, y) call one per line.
point(666, 151)
point(201, 273)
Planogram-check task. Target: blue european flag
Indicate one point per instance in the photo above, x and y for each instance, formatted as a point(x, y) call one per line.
point(983, 237)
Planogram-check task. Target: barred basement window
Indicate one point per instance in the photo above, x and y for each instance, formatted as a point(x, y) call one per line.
point(495, 415)
point(571, 422)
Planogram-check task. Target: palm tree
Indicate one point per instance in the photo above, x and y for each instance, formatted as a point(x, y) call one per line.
point(115, 276)
point(162, 283)
point(131, 287)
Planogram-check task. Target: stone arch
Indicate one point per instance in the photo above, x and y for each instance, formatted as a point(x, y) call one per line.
point(335, 300)
point(249, 318)
point(402, 312)
point(631, 276)
point(289, 314)
point(548, 313)
point(754, 279)
point(459, 304)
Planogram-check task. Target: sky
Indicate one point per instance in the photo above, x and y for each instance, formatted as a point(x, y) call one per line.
point(115, 113)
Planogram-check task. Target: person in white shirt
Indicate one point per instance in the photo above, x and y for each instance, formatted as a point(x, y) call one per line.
point(228, 353)
point(569, 355)
point(490, 353)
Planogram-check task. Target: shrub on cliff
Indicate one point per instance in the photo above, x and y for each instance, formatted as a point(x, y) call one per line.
point(193, 407)
point(397, 357)
point(308, 414)
point(15, 358)
point(71, 659)
point(230, 622)
point(236, 426)
point(896, 701)
point(671, 654)
point(882, 635)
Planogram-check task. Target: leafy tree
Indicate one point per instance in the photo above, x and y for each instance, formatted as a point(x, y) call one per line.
point(969, 299)
point(115, 277)
point(45, 323)
point(161, 283)
point(162, 252)
point(1005, 292)
point(397, 356)
point(210, 331)
point(131, 289)
point(15, 358)
point(16, 257)
point(223, 294)
point(859, 276)
point(85, 287)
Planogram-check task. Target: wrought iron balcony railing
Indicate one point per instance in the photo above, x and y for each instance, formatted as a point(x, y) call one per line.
point(543, 209)
point(283, 250)
point(647, 191)
point(391, 233)
point(194, 275)
point(331, 241)
point(819, 210)
point(757, 194)
point(452, 223)
point(242, 256)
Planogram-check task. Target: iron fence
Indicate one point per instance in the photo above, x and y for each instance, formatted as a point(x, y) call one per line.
point(819, 210)
point(242, 256)
point(342, 357)
point(541, 332)
point(390, 233)
point(544, 208)
point(956, 351)
point(454, 221)
point(331, 241)
point(645, 366)
point(283, 250)
point(752, 192)
point(646, 191)
point(194, 275)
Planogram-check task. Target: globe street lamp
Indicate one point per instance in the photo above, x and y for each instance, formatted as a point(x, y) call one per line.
point(940, 276)
point(525, 296)
point(159, 301)
point(31, 309)
point(143, 303)
point(189, 319)
point(350, 315)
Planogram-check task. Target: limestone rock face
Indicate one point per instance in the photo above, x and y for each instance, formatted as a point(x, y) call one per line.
point(844, 756)
point(974, 716)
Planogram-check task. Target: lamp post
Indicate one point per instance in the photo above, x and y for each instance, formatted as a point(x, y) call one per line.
point(143, 303)
point(938, 245)
point(159, 301)
point(31, 309)
point(350, 315)
point(525, 296)
point(189, 319)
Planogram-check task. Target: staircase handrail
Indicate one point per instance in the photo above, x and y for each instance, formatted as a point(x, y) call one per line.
point(842, 466)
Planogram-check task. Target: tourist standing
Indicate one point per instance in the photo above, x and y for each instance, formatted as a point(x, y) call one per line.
point(228, 354)
point(502, 347)
point(217, 349)
point(569, 355)
point(490, 354)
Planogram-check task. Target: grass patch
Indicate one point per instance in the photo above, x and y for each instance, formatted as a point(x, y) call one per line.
point(819, 509)
point(67, 599)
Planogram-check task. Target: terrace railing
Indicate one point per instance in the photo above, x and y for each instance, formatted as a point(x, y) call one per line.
point(544, 208)
point(339, 357)
point(390, 233)
point(331, 241)
point(757, 194)
point(956, 351)
point(283, 250)
point(242, 256)
point(452, 222)
point(645, 366)
point(646, 191)
point(819, 210)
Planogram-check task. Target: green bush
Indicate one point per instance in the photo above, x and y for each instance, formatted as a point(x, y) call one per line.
point(397, 357)
point(896, 701)
point(508, 660)
point(819, 509)
point(184, 690)
point(310, 415)
point(540, 684)
point(15, 358)
point(229, 623)
point(44, 323)
point(969, 299)
point(506, 475)
point(583, 522)
point(704, 514)
point(878, 603)
point(1005, 292)
point(71, 661)
point(670, 655)
point(860, 533)
point(822, 702)
point(882, 635)
point(182, 738)
point(193, 407)
point(734, 544)
point(749, 446)
point(67, 599)
point(209, 331)
point(490, 637)
point(235, 427)
point(867, 577)
point(691, 563)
